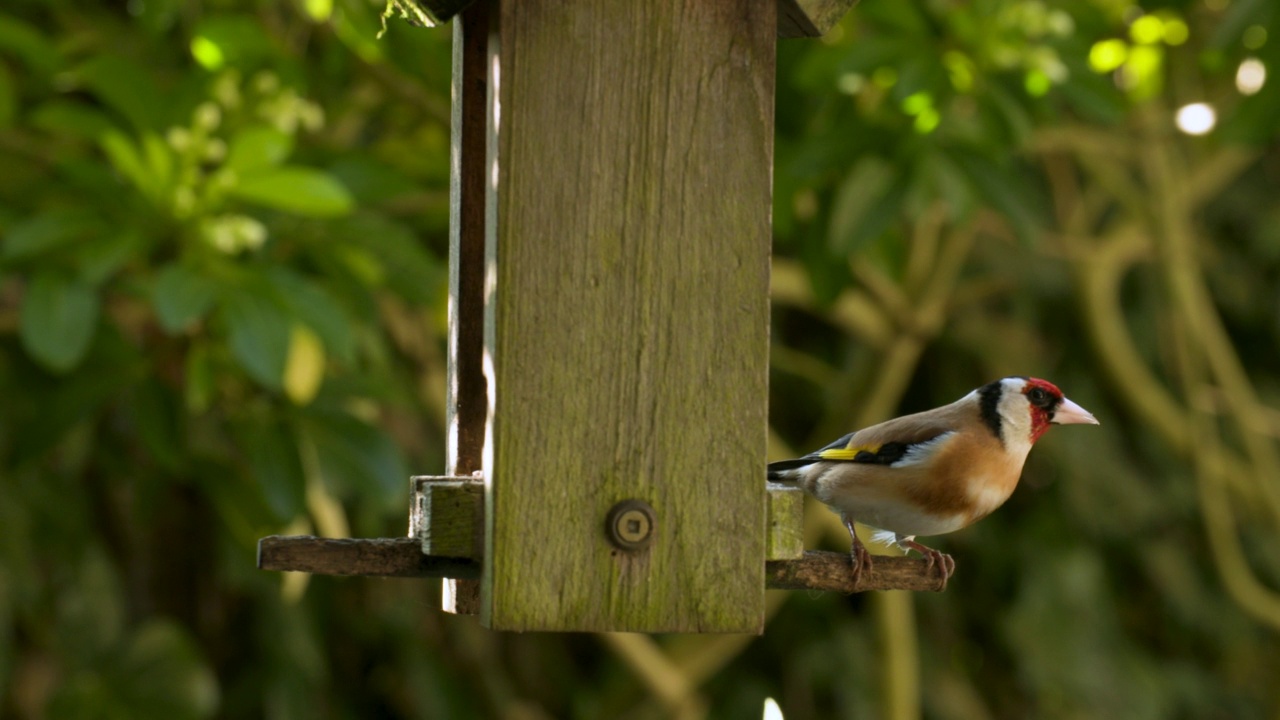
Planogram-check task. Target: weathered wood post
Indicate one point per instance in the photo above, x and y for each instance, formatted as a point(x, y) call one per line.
point(628, 181)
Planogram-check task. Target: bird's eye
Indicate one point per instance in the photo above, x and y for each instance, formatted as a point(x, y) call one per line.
point(1038, 396)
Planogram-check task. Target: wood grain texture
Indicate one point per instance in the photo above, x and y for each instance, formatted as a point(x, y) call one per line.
point(402, 557)
point(390, 557)
point(832, 571)
point(796, 18)
point(460, 597)
point(449, 516)
point(467, 404)
point(627, 316)
point(810, 18)
point(785, 522)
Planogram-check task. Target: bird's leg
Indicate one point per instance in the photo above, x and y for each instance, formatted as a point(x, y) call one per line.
point(937, 559)
point(858, 552)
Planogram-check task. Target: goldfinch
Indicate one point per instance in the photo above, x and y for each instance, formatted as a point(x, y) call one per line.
point(936, 471)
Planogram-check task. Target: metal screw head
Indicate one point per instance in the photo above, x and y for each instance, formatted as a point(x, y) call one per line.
point(631, 524)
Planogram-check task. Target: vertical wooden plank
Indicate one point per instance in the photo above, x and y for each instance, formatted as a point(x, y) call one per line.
point(785, 512)
point(626, 322)
point(467, 404)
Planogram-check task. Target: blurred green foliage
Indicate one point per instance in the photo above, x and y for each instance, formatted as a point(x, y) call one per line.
point(222, 302)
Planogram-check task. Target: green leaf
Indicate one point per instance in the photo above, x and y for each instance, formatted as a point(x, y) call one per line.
point(354, 455)
point(275, 464)
point(160, 160)
point(236, 40)
point(127, 88)
point(28, 43)
point(398, 255)
point(58, 319)
point(46, 232)
point(319, 10)
point(304, 367)
point(357, 28)
point(181, 296)
point(313, 305)
point(1004, 187)
point(300, 190)
point(126, 158)
point(370, 181)
point(865, 204)
point(100, 258)
point(258, 147)
point(71, 119)
point(258, 330)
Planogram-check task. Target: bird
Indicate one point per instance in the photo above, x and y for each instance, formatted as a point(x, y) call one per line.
point(932, 472)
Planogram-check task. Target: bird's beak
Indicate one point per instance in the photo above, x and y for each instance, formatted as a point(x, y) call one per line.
point(1069, 413)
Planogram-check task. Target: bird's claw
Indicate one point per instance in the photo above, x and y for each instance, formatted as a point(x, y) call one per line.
point(857, 553)
point(945, 564)
point(861, 561)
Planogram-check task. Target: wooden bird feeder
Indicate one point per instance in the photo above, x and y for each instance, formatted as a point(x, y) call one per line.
point(609, 327)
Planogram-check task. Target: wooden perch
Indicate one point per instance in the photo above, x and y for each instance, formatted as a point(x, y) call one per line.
point(402, 557)
point(831, 571)
point(387, 557)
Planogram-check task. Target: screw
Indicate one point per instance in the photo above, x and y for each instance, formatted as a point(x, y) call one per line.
point(630, 524)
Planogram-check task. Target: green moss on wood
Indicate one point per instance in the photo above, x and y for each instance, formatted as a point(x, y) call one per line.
point(628, 322)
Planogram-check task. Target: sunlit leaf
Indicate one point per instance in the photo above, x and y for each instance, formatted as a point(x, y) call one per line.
point(258, 147)
point(318, 10)
point(128, 160)
point(304, 367)
point(295, 189)
point(159, 159)
point(225, 39)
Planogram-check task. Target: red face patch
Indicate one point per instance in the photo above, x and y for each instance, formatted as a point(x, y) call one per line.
point(1044, 397)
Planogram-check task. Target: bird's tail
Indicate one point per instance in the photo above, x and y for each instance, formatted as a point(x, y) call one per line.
point(787, 470)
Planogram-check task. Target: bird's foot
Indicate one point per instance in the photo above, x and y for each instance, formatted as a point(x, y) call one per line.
point(857, 552)
point(936, 559)
point(861, 561)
